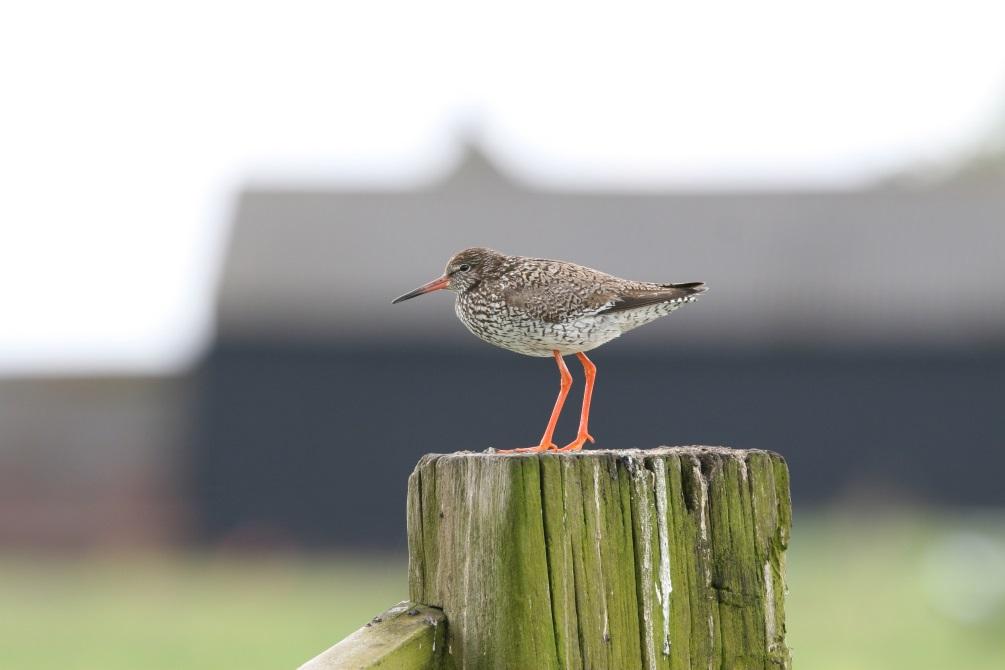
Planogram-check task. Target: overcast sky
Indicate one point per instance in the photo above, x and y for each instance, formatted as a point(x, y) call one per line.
point(125, 131)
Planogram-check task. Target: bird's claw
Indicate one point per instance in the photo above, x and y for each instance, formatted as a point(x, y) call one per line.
point(544, 446)
point(578, 443)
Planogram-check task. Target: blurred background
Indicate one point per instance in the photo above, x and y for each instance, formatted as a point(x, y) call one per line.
point(209, 408)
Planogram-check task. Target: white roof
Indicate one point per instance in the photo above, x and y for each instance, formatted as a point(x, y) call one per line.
point(853, 268)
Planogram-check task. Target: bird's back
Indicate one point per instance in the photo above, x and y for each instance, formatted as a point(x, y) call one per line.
point(535, 306)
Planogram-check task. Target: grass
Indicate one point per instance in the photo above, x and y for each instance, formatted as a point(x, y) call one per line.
point(909, 591)
point(153, 614)
point(918, 592)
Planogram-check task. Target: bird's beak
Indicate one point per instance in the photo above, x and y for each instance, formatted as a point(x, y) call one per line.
point(434, 285)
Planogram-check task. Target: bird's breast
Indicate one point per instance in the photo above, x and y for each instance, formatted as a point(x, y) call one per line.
point(489, 317)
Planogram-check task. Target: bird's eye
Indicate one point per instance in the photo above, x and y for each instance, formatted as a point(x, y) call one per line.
point(463, 267)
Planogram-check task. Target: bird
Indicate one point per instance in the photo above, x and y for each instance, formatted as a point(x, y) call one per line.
point(543, 307)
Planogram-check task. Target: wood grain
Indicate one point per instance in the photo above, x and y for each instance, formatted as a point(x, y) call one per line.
point(619, 559)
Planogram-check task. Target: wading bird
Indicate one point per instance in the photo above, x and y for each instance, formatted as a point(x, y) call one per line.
point(541, 307)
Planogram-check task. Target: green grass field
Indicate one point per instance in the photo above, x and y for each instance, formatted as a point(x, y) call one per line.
point(913, 592)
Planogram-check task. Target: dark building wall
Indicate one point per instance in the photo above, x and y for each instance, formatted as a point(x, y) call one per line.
point(312, 444)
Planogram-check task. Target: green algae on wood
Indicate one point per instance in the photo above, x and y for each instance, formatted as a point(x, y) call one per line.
point(668, 558)
point(405, 637)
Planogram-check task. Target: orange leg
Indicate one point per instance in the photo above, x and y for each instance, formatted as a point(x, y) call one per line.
point(563, 391)
point(584, 418)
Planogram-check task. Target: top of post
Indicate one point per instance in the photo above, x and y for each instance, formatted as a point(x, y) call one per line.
point(695, 451)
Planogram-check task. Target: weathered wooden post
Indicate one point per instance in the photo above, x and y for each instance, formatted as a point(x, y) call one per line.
point(666, 558)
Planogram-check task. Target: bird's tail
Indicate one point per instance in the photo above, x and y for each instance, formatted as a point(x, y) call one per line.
point(653, 294)
point(689, 288)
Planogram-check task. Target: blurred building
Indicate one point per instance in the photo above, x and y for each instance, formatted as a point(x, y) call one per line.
point(861, 334)
point(87, 462)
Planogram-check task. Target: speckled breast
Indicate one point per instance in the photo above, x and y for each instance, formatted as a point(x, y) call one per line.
point(490, 318)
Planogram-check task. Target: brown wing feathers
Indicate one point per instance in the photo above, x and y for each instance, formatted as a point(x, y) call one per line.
point(635, 298)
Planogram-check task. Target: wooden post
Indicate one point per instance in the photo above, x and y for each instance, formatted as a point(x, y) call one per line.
point(672, 558)
point(667, 558)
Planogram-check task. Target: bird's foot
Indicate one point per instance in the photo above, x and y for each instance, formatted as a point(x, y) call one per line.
point(544, 446)
point(578, 443)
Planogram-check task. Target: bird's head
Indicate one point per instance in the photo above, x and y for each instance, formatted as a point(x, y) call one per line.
point(463, 272)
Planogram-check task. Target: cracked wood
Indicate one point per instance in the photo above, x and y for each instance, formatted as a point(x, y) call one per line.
point(665, 558)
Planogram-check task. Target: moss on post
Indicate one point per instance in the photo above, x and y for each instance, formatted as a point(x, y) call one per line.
point(667, 558)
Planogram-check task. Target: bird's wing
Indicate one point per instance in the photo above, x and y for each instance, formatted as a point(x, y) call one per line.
point(567, 300)
point(633, 298)
point(559, 301)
